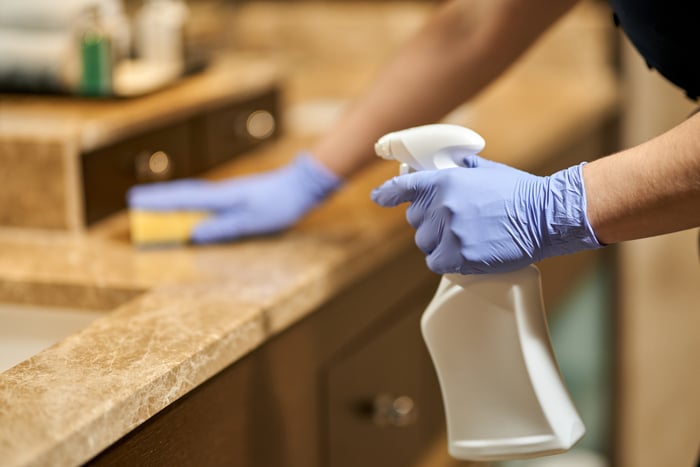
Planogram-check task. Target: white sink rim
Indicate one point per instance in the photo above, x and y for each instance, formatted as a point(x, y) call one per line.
point(26, 330)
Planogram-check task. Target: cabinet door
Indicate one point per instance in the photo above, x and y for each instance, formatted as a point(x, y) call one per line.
point(384, 405)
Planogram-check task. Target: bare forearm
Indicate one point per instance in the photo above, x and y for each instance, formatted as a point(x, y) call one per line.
point(464, 46)
point(651, 189)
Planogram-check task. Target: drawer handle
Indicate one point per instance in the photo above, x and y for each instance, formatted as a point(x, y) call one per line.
point(392, 410)
point(153, 166)
point(260, 124)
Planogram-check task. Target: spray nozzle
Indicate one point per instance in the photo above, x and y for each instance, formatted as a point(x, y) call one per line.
point(430, 147)
point(383, 147)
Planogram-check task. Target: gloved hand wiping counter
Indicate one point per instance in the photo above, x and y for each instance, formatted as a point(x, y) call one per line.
point(206, 212)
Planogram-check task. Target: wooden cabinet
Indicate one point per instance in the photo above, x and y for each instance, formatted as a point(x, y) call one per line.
point(352, 384)
point(177, 150)
point(108, 173)
point(230, 130)
point(381, 396)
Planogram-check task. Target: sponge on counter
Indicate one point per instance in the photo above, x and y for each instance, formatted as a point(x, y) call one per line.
point(163, 228)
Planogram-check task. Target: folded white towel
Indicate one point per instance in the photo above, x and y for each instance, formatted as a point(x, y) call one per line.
point(50, 14)
point(39, 60)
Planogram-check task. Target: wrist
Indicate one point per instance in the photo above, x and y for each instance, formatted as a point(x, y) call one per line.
point(567, 227)
point(315, 177)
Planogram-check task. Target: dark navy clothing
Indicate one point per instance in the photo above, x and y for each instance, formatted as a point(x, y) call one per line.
point(667, 34)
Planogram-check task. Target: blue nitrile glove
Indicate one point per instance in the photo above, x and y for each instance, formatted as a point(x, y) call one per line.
point(488, 217)
point(255, 204)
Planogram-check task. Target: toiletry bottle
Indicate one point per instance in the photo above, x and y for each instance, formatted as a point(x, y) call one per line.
point(487, 335)
point(160, 34)
point(96, 54)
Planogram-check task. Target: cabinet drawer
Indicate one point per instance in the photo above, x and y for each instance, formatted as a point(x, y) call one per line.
point(221, 134)
point(109, 172)
point(383, 398)
point(182, 149)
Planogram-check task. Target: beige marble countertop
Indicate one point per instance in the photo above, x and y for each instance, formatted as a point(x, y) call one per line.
point(191, 312)
point(173, 318)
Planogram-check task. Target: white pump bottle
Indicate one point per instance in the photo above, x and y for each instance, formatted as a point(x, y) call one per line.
point(487, 335)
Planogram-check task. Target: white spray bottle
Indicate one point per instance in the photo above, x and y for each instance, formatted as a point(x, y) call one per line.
point(487, 335)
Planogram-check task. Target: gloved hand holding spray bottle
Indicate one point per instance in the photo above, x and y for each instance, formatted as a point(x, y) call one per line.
point(487, 334)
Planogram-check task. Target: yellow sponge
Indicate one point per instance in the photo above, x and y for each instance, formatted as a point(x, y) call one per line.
point(154, 228)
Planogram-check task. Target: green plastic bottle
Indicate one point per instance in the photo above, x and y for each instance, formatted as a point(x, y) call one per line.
point(96, 55)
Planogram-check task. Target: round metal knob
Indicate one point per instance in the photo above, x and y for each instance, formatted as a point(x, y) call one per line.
point(260, 124)
point(392, 410)
point(153, 166)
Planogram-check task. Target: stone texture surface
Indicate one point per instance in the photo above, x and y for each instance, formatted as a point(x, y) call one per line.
point(38, 171)
point(180, 315)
